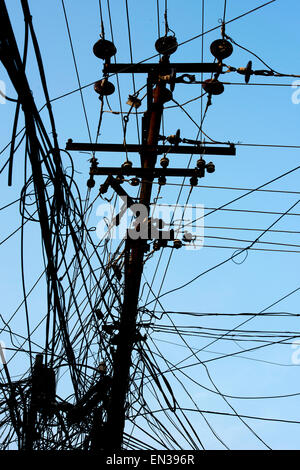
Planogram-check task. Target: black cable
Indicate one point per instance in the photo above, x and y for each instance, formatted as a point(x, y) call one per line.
point(77, 72)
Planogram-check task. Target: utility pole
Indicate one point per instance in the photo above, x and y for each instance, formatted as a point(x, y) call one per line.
point(135, 250)
point(159, 75)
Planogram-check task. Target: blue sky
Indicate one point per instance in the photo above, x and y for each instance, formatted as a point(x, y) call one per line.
point(250, 114)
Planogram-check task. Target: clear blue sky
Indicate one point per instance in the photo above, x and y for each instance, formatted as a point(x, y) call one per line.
point(245, 114)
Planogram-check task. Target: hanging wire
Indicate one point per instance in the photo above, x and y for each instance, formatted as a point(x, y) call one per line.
point(102, 32)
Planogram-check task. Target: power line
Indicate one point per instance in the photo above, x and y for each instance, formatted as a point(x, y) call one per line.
point(76, 70)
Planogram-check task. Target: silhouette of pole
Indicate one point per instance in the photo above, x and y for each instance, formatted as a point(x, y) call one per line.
point(134, 255)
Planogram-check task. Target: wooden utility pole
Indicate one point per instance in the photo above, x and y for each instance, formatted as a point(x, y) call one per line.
point(110, 436)
point(135, 250)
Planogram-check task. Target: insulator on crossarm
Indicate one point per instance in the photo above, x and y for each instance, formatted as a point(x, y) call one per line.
point(134, 182)
point(133, 101)
point(162, 180)
point(174, 139)
point(201, 167)
point(104, 49)
point(166, 95)
point(210, 167)
point(213, 86)
point(187, 237)
point(120, 179)
point(166, 45)
point(246, 71)
point(201, 164)
point(177, 244)
point(103, 188)
point(164, 162)
point(193, 181)
point(90, 182)
point(221, 49)
point(127, 165)
point(104, 87)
